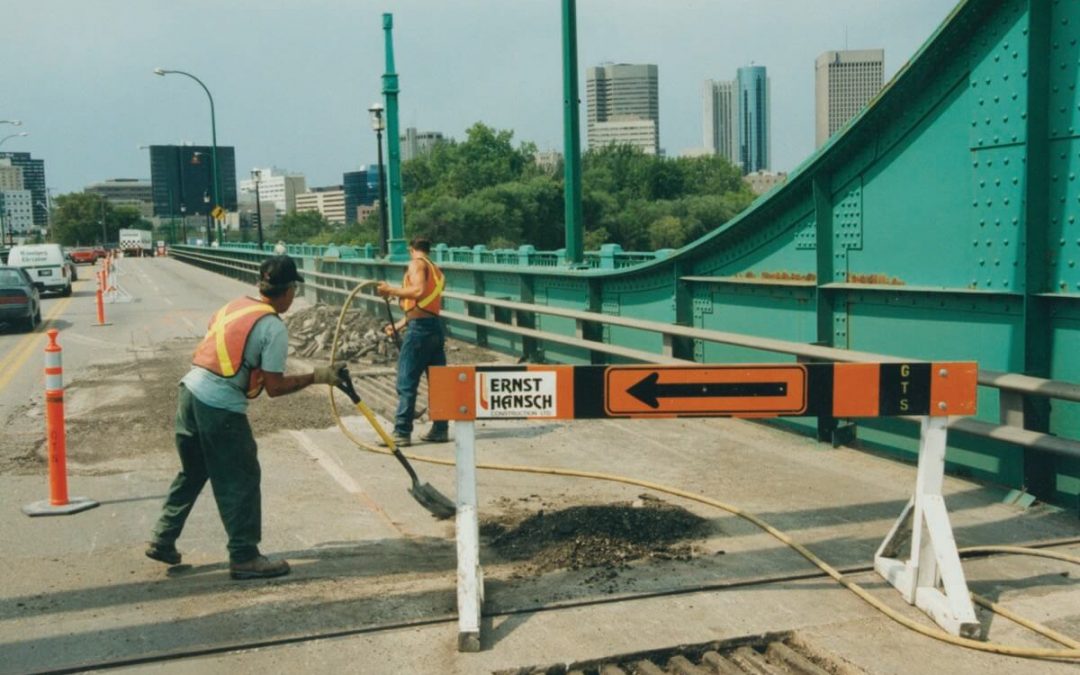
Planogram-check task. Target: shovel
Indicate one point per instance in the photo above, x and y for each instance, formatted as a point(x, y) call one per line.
point(424, 493)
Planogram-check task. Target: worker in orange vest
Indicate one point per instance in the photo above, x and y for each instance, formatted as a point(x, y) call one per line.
point(420, 297)
point(243, 353)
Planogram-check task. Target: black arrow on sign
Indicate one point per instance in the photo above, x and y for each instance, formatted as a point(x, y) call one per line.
point(649, 390)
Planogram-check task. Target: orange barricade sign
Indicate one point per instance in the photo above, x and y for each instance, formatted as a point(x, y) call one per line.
point(751, 390)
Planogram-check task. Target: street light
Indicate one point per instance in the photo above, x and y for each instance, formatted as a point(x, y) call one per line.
point(21, 133)
point(213, 135)
point(256, 175)
point(378, 124)
point(17, 123)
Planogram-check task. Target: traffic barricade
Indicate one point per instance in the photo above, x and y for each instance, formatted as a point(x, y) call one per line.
point(928, 576)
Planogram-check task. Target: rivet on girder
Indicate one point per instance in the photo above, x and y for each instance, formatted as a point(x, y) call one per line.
point(944, 372)
point(463, 409)
point(942, 406)
point(461, 377)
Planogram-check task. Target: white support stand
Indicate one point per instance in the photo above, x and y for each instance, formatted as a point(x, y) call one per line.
point(470, 577)
point(931, 578)
point(114, 292)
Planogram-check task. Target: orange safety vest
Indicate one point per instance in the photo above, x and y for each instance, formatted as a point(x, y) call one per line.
point(431, 299)
point(222, 350)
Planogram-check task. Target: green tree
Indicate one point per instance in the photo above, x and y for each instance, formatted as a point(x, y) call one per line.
point(301, 227)
point(78, 220)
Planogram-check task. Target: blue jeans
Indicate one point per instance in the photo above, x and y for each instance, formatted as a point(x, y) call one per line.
point(423, 346)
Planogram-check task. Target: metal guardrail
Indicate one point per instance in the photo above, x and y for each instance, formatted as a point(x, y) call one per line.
point(610, 256)
point(1013, 387)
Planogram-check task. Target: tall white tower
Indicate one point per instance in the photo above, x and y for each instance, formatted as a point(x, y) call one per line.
point(845, 81)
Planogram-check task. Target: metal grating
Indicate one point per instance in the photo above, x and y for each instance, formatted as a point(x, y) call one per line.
point(770, 654)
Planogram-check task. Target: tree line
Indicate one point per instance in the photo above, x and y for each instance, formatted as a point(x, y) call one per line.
point(487, 190)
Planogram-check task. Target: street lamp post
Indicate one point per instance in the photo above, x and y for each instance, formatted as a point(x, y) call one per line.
point(378, 124)
point(21, 133)
point(213, 135)
point(17, 123)
point(256, 175)
point(206, 201)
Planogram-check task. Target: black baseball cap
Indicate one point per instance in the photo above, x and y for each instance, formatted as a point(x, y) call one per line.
point(279, 270)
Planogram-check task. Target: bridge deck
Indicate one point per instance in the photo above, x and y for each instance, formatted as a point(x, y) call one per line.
point(366, 558)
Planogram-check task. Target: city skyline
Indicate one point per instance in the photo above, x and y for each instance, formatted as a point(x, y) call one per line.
point(292, 84)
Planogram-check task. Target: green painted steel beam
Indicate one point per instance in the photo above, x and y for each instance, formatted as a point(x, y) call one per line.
point(1038, 468)
point(571, 137)
point(396, 243)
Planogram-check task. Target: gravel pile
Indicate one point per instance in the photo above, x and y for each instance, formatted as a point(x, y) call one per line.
point(311, 332)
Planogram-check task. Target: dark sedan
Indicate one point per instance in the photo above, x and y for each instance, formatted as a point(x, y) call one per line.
point(20, 302)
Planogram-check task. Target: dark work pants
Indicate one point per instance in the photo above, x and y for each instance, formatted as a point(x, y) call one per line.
point(424, 345)
point(218, 445)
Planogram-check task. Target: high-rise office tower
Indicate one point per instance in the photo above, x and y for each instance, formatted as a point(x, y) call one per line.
point(416, 143)
point(754, 141)
point(181, 179)
point(623, 105)
point(720, 119)
point(33, 173)
point(845, 81)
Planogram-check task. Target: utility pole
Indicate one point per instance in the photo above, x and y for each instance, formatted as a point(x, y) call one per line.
point(256, 175)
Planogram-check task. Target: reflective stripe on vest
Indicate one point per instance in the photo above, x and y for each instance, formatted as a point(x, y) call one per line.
point(431, 299)
point(222, 350)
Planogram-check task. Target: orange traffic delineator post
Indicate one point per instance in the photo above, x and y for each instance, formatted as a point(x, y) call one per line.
point(58, 503)
point(100, 298)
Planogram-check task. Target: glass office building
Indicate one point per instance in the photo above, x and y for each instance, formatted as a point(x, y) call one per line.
point(181, 179)
point(754, 150)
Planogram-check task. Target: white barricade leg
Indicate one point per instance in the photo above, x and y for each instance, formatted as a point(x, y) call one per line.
point(470, 578)
point(931, 578)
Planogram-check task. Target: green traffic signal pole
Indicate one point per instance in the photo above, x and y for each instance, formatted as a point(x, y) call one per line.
point(571, 136)
point(213, 136)
point(399, 252)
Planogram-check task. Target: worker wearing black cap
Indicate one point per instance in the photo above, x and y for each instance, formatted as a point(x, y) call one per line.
point(243, 353)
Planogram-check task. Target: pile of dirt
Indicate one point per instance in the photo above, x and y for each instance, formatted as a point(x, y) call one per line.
point(311, 333)
point(593, 535)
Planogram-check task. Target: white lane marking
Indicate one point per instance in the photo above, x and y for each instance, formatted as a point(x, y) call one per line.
point(341, 477)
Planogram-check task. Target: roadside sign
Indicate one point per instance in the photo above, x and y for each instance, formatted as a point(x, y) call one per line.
point(715, 390)
point(218, 213)
point(851, 390)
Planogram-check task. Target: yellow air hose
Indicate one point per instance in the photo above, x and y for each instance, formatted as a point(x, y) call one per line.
point(1073, 653)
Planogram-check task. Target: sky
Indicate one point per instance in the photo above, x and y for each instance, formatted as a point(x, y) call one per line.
point(292, 80)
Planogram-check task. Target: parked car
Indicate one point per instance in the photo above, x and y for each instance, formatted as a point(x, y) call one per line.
point(20, 301)
point(84, 255)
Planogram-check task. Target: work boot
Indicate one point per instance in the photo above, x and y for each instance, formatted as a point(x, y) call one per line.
point(399, 441)
point(259, 567)
point(433, 436)
point(166, 554)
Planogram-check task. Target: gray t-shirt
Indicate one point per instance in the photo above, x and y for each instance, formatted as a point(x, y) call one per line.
point(267, 348)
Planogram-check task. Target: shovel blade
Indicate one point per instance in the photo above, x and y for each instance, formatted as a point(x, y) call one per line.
point(434, 501)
